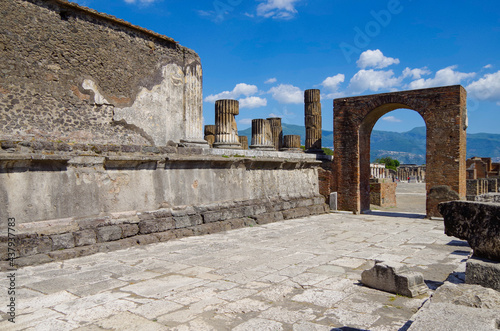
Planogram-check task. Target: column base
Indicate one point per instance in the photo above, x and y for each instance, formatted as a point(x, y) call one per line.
point(194, 143)
point(292, 150)
point(263, 147)
point(226, 145)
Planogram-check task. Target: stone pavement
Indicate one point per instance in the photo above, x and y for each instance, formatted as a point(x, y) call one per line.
point(300, 274)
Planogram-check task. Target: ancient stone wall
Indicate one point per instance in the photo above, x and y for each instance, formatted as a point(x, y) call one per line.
point(383, 194)
point(60, 239)
point(69, 74)
point(38, 186)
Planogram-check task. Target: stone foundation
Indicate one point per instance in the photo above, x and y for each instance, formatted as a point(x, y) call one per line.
point(41, 242)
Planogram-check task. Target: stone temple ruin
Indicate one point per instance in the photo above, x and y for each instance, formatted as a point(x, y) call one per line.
point(103, 147)
point(101, 132)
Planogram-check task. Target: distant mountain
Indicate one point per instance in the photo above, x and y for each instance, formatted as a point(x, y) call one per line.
point(407, 147)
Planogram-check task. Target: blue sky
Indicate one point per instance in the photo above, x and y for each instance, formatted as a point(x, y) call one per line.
point(265, 53)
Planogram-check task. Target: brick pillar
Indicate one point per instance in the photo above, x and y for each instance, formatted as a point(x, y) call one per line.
point(262, 137)
point(277, 132)
point(226, 130)
point(243, 142)
point(312, 113)
point(291, 143)
point(210, 134)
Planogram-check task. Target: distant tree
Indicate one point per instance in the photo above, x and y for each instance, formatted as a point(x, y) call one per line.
point(327, 151)
point(389, 162)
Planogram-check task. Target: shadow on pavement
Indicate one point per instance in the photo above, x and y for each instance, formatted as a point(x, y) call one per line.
point(395, 214)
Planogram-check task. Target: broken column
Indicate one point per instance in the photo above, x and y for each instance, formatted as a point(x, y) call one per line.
point(277, 132)
point(291, 143)
point(226, 130)
point(312, 113)
point(210, 134)
point(243, 142)
point(262, 138)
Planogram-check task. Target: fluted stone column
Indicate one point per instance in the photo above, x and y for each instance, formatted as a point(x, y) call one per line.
point(226, 130)
point(243, 142)
point(291, 143)
point(262, 137)
point(312, 113)
point(210, 134)
point(277, 132)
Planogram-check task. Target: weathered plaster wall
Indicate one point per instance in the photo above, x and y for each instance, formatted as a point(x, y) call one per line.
point(73, 75)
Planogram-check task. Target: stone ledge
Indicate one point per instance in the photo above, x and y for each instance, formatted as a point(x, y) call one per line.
point(73, 237)
point(483, 272)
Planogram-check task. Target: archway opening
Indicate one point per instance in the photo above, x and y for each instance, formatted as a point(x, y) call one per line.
point(397, 158)
point(398, 136)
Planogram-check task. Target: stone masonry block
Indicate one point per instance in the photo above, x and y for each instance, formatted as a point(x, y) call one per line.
point(160, 213)
point(109, 233)
point(183, 211)
point(296, 213)
point(62, 241)
point(33, 244)
point(212, 216)
point(395, 278)
point(85, 237)
point(187, 221)
point(483, 272)
point(476, 222)
point(129, 230)
point(268, 218)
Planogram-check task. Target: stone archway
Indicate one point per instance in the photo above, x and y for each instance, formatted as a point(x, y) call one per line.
point(445, 114)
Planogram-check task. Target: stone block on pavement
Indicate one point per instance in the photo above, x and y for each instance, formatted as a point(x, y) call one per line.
point(483, 272)
point(476, 222)
point(395, 278)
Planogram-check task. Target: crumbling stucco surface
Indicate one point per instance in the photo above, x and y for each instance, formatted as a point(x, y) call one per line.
point(74, 75)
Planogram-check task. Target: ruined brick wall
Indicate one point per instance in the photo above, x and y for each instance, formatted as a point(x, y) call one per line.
point(69, 74)
point(444, 112)
point(326, 181)
point(383, 194)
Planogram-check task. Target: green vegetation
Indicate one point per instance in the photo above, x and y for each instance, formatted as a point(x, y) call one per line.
point(389, 162)
point(327, 151)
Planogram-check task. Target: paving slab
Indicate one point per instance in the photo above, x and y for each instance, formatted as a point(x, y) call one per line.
point(301, 274)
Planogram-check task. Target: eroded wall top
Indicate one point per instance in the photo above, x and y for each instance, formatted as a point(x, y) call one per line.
point(73, 75)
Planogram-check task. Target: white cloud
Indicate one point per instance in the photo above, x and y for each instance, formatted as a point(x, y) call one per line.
point(416, 73)
point(331, 84)
point(444, 77)
point(375, 59)
point(278, 9)
point(391, 119)
point(373, 80)
point(239, 90)
point(253, 102)
point(245, 121)
point(286, 93)
point(271, 81)
point(488, 66)
point(486, 88)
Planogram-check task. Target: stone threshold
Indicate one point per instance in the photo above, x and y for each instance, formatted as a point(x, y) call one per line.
point(61, 239)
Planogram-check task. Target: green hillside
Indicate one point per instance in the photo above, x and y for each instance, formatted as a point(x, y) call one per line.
point(407, 147)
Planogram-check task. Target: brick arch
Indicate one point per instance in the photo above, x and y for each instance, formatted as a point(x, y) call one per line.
point(445, 115)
